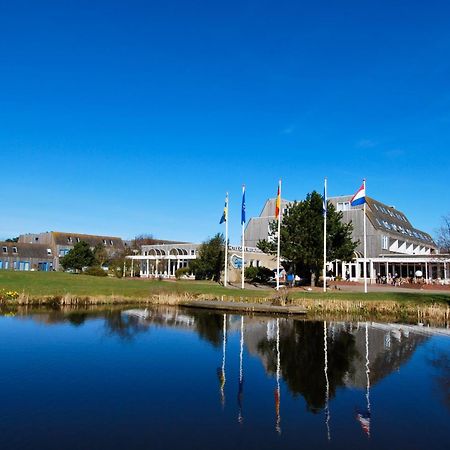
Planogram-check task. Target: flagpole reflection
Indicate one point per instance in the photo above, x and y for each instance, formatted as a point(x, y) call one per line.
point(327, 383)
point(221, 371)
point(241, 373)
point(364, 417)
point(277, 390)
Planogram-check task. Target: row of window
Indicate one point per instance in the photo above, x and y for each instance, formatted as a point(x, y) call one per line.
point(25, 265)
point(14, 250)
point(5, 249)
point(390, 212)
point(70, 240)
point(399, 229)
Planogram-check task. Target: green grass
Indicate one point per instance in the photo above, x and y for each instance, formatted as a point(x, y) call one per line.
point(40, 284)
point(58, 283)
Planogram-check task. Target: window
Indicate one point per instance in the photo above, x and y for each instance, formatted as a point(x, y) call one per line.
point(78, 239)
point(49, 251)
point(69, 239)
point(385, 242)
point(111, 242)
point(104, 241)
point(343, 206)
point(14, 249)
point(5, 249)
point(192, 252)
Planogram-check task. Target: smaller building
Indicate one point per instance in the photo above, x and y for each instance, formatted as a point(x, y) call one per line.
point(60, 243)
point(25, 256)
point(163, 260)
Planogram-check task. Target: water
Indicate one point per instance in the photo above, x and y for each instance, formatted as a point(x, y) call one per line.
point(173, 379)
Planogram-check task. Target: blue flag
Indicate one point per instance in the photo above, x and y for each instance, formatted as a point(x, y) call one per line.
point(324, 203)
point(243, 206)
point(224, 217)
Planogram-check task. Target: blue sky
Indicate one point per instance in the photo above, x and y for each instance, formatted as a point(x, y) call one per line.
point(134, 117)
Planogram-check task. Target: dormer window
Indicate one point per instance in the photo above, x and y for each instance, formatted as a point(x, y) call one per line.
point(69, 239)
point(78, 239)
point(5, 249)
point(111, 242)
point(104, 241)
point(49, 251)
point(14, 249)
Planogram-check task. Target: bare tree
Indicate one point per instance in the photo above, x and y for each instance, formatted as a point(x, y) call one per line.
point(443, 235)
point(143, 239)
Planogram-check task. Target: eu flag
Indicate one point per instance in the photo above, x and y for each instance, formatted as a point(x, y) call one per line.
point(243, 206)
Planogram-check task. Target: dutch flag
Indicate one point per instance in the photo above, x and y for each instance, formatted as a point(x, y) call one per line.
point(360, 197)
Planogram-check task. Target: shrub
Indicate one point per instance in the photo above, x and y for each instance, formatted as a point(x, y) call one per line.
point(258, 274)
point(8, 295)
point(95, 271)
point(251, 273)
point(179, 273)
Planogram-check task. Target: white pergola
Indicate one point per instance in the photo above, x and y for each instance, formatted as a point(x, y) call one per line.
point(162, 260)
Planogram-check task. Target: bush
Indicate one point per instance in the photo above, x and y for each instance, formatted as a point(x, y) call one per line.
point(8, 295)
point(251, 273)
point(95, 271)
point(258, 274)
point(179, 273)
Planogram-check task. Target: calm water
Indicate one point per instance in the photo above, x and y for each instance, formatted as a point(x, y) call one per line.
point(186, 379)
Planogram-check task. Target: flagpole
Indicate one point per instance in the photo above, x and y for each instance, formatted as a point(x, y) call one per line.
point(279, 237)
point(365, 239)
point(225, 278)
point(325, 237)
point(243, 239)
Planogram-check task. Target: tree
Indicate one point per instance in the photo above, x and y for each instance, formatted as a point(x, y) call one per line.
point(302, 236)
point(16, 239)
point(143, 239)
point(80, 256)
point(100, 254)
point(443, 235)
point(210, 260)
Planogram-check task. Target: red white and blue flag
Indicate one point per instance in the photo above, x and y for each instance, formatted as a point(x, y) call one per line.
point(360, 197)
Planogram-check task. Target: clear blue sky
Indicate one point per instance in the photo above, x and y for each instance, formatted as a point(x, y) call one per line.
point(135, 117)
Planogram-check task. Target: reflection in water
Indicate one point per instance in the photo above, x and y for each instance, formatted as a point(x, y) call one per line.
point(327, 382)
point(331, 355)
point(363, 417)
point(221, 370)
point(241, 373)
point(277, 389)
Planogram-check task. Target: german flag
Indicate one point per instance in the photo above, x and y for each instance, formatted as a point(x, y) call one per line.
point(278, 202)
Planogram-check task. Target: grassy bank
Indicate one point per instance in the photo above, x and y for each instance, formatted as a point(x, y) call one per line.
point(57, 284)
point(68, 289)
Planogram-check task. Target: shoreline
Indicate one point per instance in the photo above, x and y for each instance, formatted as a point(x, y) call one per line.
point(431, 312)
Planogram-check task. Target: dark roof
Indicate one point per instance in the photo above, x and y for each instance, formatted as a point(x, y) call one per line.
point(25, 250)
point(388, 218)
point(61, 238)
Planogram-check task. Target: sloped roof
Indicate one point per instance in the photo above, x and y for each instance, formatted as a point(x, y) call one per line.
point(391, 220)
point(388, 218)
point(27, 250)
point(62, 238)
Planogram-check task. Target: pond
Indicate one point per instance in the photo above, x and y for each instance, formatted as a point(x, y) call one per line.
point(168, 378)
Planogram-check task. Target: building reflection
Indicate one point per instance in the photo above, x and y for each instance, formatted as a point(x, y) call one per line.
point(310, 359)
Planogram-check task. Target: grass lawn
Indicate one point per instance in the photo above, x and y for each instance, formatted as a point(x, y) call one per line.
point(59, 283)
point(42, 284)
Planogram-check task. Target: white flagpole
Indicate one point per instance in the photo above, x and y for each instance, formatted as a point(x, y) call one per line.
point(243, 242)
point(225, 278)
point(325, 237)
point(279, 238)
point(365, 240)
